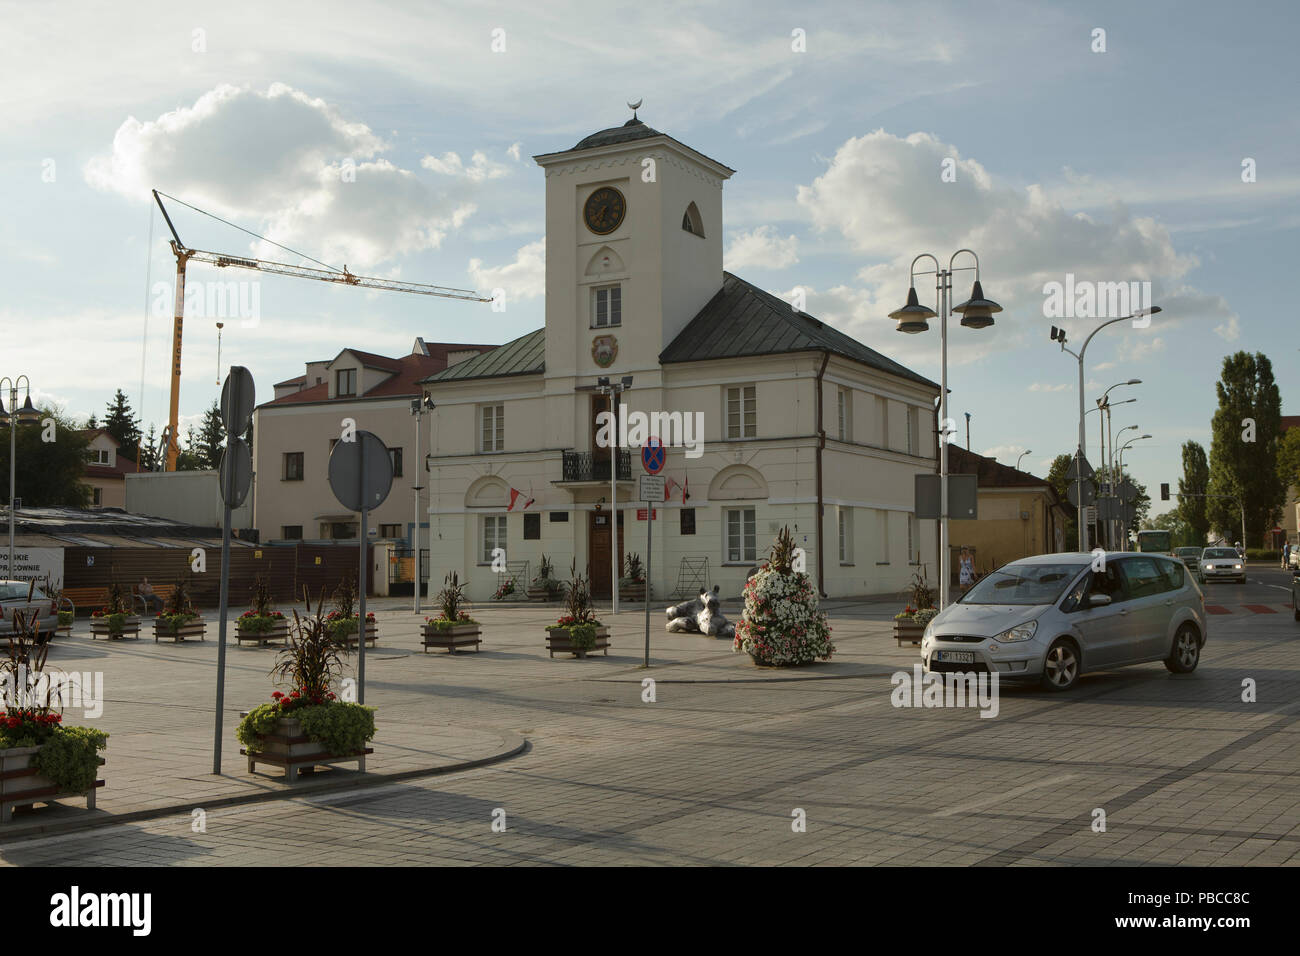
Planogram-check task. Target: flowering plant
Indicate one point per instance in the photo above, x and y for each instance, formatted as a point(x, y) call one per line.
point(251, 622)
point(905, 614)
point(507, 588)
point(781, 624)
point(925, 615)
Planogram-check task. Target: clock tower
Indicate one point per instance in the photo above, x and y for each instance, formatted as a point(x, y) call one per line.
point(633, 249)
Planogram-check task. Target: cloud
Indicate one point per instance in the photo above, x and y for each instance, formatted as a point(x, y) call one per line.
point(291, 167)
point(761, 248)
point(1229, 331)
point(525, 278)
point(1040, 387)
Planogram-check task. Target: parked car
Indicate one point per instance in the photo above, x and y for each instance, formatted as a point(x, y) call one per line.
point(1295, 594)
point(14, 597)
point(1218, 564)
point(1052, 618)
point(1293, 559)
point(1189, 556)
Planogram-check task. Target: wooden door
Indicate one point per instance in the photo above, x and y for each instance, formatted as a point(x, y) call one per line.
point(598, 543)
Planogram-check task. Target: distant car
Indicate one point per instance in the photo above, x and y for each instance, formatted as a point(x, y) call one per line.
point(14, 597)
point(1293, 559)
point(1189, 556)
point(1218, 564)
point(1052, 618)
point(1295, 594)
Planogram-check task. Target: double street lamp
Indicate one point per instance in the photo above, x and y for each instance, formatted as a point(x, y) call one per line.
point(1124, 525)
point(28, 414)
point(976, 313)
point(613, 390)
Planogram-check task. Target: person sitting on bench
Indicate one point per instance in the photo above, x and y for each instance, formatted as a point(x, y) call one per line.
point(152, 601)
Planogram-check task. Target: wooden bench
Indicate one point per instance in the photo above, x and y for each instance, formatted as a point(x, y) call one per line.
point(92, 598)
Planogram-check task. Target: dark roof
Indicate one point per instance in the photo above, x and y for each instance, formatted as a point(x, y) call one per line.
point(525, 355)
point(1288, 422)
point(743, 320)
point(371, 360)
point(631, 130)
point(990, 473)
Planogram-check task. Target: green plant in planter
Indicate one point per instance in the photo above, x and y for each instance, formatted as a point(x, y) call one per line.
point(582, 637)
point(66, 617)
point(453, 604)
point(635, 572)
point(261, 616)
point(577, 600)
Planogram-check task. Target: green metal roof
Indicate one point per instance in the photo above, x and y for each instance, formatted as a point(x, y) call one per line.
point(743, 320)
point(525, 355)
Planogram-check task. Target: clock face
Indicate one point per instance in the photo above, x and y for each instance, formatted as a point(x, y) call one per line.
point(604, 210)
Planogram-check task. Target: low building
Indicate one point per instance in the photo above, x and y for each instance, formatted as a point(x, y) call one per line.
point(191, 497)
point(106, 469)
point(1018, 514)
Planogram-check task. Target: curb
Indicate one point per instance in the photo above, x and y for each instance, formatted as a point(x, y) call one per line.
point(515, 745)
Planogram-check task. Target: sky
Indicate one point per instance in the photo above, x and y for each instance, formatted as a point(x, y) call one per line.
point(1075, 142)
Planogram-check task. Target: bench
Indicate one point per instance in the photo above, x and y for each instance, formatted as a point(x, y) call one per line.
point(97, 597)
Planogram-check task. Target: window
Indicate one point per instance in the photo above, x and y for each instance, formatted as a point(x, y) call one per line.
point(846, 535)
point(742, 413)
point(913, 550)
point(291, 532)
point(339, 529)
point(390, 531)
point(1143, 577)
point(882, 535)
point(559, 516)
point(493, 536)
point(1173, 572)
point(843, 414)
point(882, 421)
point(395, 455)
point(691, 221)
point(494, 427)
point(97, 456)
point(97, 496)
point(606, 307)
point(532, 527)
point(911, 434)
point(293, 465)
point(740, 535)
point(687, 521)
point(345, 383)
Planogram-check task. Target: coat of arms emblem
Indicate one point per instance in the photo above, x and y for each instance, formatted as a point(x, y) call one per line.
point(604, 349)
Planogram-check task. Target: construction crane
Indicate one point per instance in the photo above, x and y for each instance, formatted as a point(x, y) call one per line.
point(184, 255)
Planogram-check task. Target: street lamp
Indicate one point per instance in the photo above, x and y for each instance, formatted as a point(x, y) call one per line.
point(1124, 525)
point(1058, 335)
point(26, 415)
point(976, 313)
point(418, 407)
point(1027, 451)
point(613, 390)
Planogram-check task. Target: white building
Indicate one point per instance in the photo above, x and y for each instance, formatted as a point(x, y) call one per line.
point(799, 420)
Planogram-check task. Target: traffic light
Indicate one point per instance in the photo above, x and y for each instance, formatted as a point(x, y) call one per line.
point(1164, 491)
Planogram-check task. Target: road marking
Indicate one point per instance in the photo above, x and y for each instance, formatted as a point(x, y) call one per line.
point(1259, 608)
point(1216, 609)
point(1003, 798)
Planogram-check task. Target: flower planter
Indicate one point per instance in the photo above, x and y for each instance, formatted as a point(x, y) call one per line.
point(290, 749)
point(187, 631)
point(632, 592)
point(279, 632)
point(458, 635)
point(557, 639)
point(372, 635)
point(130, 628)
point(908, 631)
point(21, 785)
point(543, 594)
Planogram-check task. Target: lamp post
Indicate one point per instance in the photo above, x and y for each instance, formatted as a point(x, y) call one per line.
point(1124, 524)
point(13, 418)
point(1107, 441)
point(1027, 451)
point(1058, 335)
point(976, 313)
point(418, 408)
point(613, 390)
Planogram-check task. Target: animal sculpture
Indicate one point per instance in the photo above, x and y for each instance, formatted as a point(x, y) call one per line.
point(703, 615)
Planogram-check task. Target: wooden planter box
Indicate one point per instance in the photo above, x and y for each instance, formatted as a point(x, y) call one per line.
point(186, 632)
point(130, 628)
point(21, 785)
point(632, 592)
point(279, 632)
point(541, 594)
point(289, 748)
point(909, 632)
point(458, 635)
point(372, 635)
point(557, 639)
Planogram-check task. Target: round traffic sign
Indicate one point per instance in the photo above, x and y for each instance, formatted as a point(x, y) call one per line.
point(240, 459)
point(361, 473)
point(653, 456)
point(237, 399)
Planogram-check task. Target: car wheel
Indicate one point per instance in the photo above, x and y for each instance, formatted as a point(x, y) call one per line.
point(1186, 652)
point(1061, 665)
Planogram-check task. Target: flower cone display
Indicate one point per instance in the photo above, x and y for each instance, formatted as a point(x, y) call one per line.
point(781, 624)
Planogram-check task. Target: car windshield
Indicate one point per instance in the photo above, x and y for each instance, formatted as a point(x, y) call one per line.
point(1023, 584)
point(1188, 552)
point(17, 591)
point(1220, 553)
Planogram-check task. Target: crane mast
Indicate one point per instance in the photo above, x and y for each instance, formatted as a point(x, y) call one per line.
point(183, 256)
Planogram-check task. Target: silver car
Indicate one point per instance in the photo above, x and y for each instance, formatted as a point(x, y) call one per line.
point(1222, 564)
point(1053, 618)
point(14, 597)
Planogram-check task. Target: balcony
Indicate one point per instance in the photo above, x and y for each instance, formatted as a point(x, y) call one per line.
point(584, 466)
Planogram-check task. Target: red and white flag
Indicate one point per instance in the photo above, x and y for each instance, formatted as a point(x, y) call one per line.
point(515, 495)
point(668, 488)
point(686, 494)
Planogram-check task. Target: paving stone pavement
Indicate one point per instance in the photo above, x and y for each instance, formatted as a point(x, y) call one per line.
point(712, 771)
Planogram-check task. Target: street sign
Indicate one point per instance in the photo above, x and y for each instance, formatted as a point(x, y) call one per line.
point(1109, 508)
point(653, 457)
point(1127, 491)
point(963, 495)
point(641, 514)
point(1089, 493)
point(361, 473)
point(238, 457)
point(237, 398)
point(1072, 473)
point(650, 488)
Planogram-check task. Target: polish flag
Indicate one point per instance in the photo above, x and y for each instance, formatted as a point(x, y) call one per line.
point(668, 488)
point(515, 495)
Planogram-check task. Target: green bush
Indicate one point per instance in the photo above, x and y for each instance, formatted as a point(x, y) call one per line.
point(66, 617)
point(70, 757)
point(1263, 554)
point(341, 726)
point(582, 637)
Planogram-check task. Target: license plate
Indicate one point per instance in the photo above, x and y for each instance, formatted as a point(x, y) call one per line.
point(955, 657)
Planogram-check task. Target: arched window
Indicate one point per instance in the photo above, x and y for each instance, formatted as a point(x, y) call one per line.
point(691, 221)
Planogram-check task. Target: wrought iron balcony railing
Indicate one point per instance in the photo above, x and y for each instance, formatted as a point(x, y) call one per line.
point(585, 466)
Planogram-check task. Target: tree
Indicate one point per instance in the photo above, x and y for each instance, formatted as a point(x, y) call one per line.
point(48, 473)
point(149, 451)
point(1244, 450)
point(1288, 459)
point(1060, 484)
point(190, 458)
point(1172, 521)
point(1192, 488)
point(212, 437)
point(121, 422)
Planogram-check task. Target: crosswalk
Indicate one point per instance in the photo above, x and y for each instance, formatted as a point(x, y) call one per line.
point(1252, 608)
